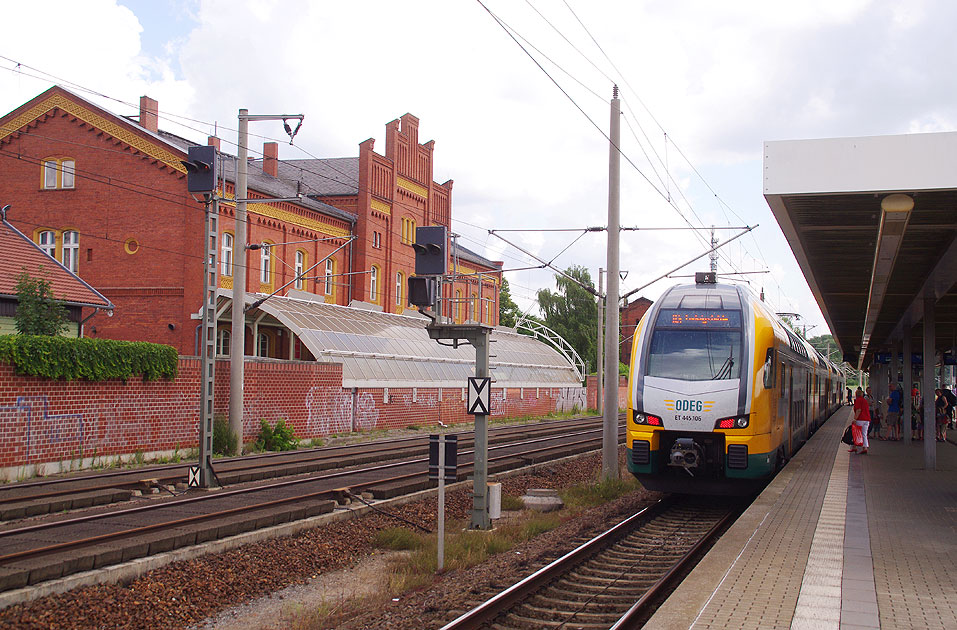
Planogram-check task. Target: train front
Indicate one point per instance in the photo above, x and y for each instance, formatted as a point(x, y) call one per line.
point(689, 404)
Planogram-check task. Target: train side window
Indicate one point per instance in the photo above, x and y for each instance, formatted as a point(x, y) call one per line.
point(769, 369)
point(784, 370)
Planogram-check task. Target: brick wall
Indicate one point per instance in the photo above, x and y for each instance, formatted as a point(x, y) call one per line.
point(591, 384)
point(48, 426)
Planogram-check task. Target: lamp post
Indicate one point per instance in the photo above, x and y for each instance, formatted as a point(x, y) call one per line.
point(238, 333)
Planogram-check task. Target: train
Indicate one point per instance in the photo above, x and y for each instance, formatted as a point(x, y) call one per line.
point(721, 392)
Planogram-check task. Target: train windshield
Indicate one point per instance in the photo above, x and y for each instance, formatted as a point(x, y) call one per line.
point(696, 345)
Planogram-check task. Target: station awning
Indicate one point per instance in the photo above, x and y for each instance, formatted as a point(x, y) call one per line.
point(390, 350)
point(872, 222)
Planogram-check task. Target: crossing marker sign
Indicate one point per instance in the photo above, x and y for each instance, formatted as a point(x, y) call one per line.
point(193, 478)
point(479, 396)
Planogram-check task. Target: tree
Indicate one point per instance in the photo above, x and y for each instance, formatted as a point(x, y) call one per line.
point(572, 312)
point(38, 311)
point(508, 311)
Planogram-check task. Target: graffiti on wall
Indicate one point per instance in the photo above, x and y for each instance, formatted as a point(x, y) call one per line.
point(37, 429)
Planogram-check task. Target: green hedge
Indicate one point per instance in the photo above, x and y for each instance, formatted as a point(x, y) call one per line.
point(87, 359)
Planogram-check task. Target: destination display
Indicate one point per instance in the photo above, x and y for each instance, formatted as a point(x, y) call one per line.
point(698, 318)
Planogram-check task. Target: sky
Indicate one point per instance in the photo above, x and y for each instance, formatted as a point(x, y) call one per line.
point(703, 85)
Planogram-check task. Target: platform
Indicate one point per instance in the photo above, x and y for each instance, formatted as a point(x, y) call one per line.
point(815, 552)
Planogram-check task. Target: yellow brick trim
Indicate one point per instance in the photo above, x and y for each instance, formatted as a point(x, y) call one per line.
point(412, 187)
point(226, 282)
point(95, 120)
point(468, 271)
point(279, 214)
point(381, 206)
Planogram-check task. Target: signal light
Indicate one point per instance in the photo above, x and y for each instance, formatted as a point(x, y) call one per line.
point(201, 169)
point(736, 422)
point(647, 418)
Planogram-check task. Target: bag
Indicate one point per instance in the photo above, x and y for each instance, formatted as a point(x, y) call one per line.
point(848, 435)
point(857, 431)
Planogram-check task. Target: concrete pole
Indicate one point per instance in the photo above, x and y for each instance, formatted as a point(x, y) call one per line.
point(930, 359)
point(480, 518)
point(906, 408)
point(599, 383)
point(238, 338)
point(609, 450)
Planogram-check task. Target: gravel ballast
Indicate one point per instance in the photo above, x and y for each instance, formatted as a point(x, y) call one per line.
point(185, 594)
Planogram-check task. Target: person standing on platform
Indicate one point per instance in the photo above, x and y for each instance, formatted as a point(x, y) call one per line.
point(874, 406)
point(849, 400)
point(893, 420)
point(941, 412)
point(952, 401)
point(862, 418)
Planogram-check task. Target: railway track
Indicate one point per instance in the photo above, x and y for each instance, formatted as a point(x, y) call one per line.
point(53, 495)
point(611, 580)
point(55, 546)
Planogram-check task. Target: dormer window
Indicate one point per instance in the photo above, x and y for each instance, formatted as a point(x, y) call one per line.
point(58, 173)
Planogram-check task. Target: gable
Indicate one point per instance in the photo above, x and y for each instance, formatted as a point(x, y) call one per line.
point(119, 130)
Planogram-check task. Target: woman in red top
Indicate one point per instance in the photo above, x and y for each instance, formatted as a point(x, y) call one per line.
point(862, 420)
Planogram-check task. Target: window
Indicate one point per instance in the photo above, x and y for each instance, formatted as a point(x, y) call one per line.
point(475, 308)
point(695, 355)
point(71, 250)
point(408, 231)
point(262, 345)
point(227, 256)
point(377, 240)
point(265, 260)
point(300, 266)
point(398, 289)
point(58, 173)
point(47, 240)
point(330, 268)
point(458, 306)
point(223, 346)
point(373, 284)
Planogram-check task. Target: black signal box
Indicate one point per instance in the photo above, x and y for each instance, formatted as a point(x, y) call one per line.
point(201, 171)
point(431, 258)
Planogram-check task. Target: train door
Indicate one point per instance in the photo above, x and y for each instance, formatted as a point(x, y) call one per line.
point(798, 411)
point(784, 408)
point(789, 401)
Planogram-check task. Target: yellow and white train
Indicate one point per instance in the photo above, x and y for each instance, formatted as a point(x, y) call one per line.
point(721, 392)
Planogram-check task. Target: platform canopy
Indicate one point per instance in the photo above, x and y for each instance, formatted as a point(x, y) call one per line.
point(872, 222)
point(389, 350)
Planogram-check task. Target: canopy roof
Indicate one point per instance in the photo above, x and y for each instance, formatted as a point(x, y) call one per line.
point(388, 350)
point(872, 222)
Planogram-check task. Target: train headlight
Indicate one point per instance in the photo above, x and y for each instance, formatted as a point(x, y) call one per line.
point(647, 418)
point(735, 422)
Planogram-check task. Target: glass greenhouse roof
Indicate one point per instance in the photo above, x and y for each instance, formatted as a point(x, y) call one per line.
point(388, 350)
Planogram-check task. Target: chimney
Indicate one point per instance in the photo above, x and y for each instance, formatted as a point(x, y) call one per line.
point(213, 141)
point(271, 158)
point(149, 114)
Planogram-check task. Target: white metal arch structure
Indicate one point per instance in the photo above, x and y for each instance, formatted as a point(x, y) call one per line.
point(552, 338)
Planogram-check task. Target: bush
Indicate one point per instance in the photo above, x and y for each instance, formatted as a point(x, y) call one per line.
point(88, 359)
point(225, 440)
point(278, 438)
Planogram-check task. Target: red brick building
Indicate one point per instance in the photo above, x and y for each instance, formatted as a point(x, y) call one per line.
point(631, 314)
point(106, 196)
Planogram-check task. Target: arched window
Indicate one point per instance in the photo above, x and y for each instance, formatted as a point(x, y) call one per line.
point(330, 271)
point(47, 242)
point(223, 345)
point(58, 173)
point(374, 284)
point(226, 268)
point(475, 308)
point(398, 289)
point(300, 267)
point(71, 250)
point(265, 262)
point(262, 345)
